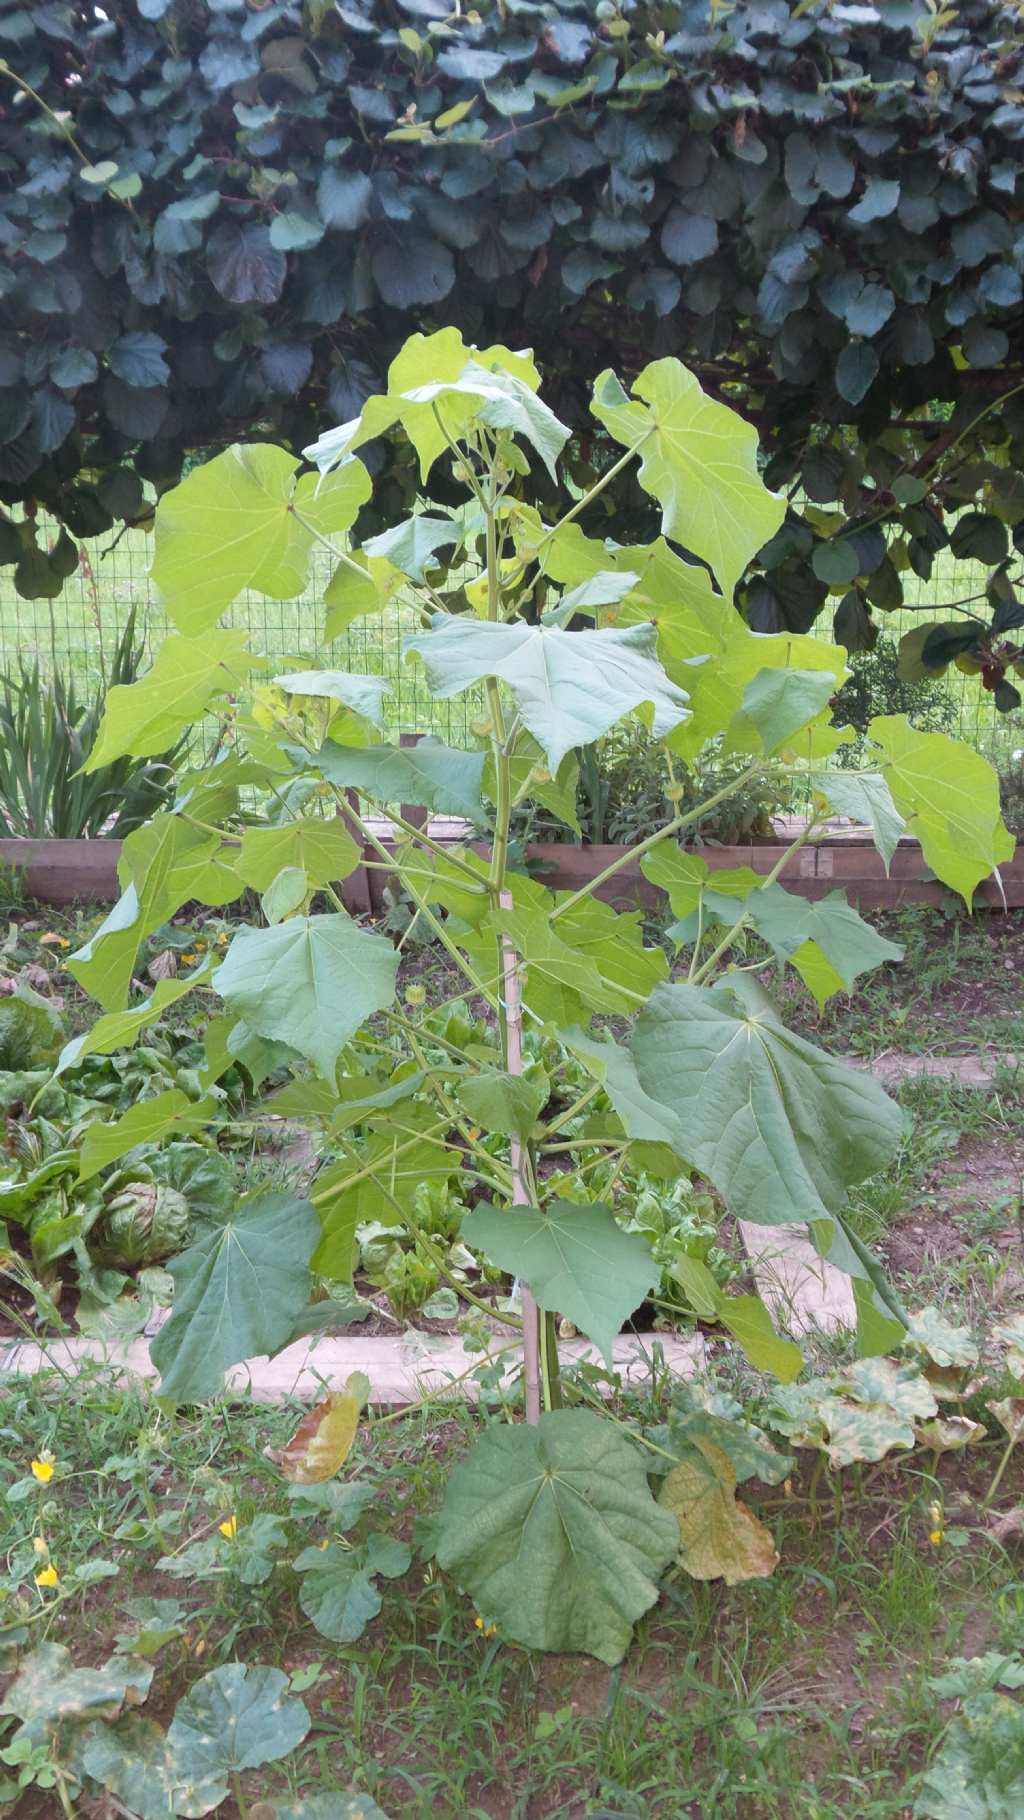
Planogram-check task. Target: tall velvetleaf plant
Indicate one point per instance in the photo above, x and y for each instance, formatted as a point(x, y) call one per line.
point(560, 635)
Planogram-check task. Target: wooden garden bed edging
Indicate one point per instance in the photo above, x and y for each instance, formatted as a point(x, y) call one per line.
point(85, 871)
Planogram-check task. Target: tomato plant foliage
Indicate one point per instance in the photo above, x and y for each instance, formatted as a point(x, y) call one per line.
point(242, 213)
point(562, 635)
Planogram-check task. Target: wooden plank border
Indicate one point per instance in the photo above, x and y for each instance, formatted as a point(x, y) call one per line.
point(85, 871)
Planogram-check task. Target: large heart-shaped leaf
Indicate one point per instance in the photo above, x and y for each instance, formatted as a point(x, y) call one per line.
point(238, 1292)
point(234, 523)
point(949, 796)
point(309, 982)
point(757, 1108)
point(338, 1593)
point(569, 687)
point(323, 850)
point(577, 1261)
point(554, 1533)
point(699, 460)
point(430, 774)
point(145, 717)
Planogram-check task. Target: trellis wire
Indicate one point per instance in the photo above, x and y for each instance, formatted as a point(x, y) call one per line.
point(78, 630)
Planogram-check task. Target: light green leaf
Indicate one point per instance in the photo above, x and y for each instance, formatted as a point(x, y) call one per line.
point(348, 1193)
point(499, 400)
point(236, 1718)
point(614, 942)
point(939, 1340)
point(363, 694)
point(145, 1123)
point(744, 1316)
point(146, 717)
point(755, 1107)
point(577, 1261)
point(717, 687)
point(877, 1332)
point(510, 1104)
point(412, 546)
point(569, 687)
point(571, 1498)
point(691, 883)
point(338, 1593)
point(322, 850)
point(719, 1538)
point(286, 892)
point(120, 1029)
point(751, 1326)
point(949, 796)
point(422, 360)
point(237, 1294)
point(850, 945)
point(699, 460)
point(531, 778)
point(309, 982)
point(776, 704)
point(693, 621)
point(233, 523)
point(436, 776)
point(350, 593)
point(551, 965)
point(642, 1117)
point(163, 865)
point(865, 798)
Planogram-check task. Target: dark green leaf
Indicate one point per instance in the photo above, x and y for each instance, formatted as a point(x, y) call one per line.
point(238, 1292)
point(570, 1497)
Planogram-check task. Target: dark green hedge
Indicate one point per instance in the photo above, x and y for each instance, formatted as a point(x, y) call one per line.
point(241, 209)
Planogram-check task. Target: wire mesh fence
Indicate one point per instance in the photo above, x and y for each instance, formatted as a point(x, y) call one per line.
point(78, 630)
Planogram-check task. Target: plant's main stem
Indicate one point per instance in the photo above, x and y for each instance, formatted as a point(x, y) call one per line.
point(520, 1187)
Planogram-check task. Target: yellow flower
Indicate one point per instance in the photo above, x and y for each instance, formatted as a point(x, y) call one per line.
point(42, 1469)
point(478, 1621)
point(229, 1527)
point(48, 1576)
point(200, 947)
point(935, 1537)
point(187, 958)
point(39, 1546)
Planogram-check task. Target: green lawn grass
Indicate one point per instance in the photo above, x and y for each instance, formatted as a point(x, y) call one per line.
point(800, 1697)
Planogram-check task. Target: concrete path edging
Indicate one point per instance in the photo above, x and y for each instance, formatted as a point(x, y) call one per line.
point(401, 1370)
